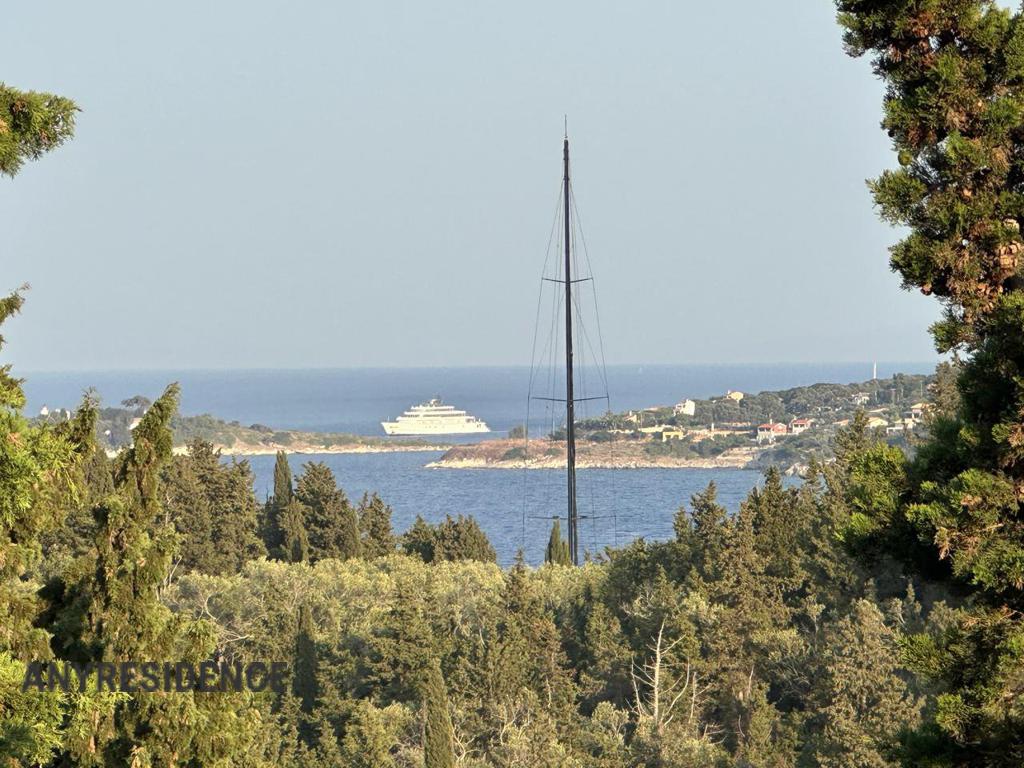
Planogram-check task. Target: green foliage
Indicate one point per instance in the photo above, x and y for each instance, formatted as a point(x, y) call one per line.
point(272, 523)
point(31, 124)
point(30, 721)
point(294, 538)
point(454, 538)
point(38, 476)
point(304, 683)
point(557, 552)
point(862, 703)
point(370, 739)
point(107, 608)
point(213, 510)
point(376, 534)
point(331, 523)
point(438, 740)
point(954, 112)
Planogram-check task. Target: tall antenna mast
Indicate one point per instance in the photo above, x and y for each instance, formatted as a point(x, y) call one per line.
point(570, 417)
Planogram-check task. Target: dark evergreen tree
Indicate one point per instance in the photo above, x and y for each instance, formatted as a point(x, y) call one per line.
point(304, 675)
point(781, 526)
point(75, 536)
point(294, 539)
point(462, 538)
point(454, 538)
point(557, 552)
point(438, 737)
point(367, 743)
point(953, 73)
point(420, 540)
point(272, 524)
point(861, 701)
point(401, 649)
point(709, 528)
point(212, 507)
point(752, 632)
point(377, 536)
point(331, 522)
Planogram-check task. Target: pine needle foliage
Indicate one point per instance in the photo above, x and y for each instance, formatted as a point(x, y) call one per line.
point(954, 109)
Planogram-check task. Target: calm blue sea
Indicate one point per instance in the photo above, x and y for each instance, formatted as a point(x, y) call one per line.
point(514, 507)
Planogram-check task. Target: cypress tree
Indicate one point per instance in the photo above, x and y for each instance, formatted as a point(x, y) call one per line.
point(283, 491)
point(402, 647)
point(294, 539)
point(274, 509)
point(557, 552)
point(438, 734)
point(304, 683)
point(781, 530)
point(710, 529)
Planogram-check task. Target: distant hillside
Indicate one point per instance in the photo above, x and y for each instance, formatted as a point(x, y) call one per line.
point(822, 402)
point(113, 431)
point(787, 428)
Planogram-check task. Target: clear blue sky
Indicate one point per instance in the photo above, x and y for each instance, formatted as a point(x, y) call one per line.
point(265, 184)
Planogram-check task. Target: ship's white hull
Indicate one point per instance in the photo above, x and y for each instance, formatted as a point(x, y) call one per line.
point(434, 418)
point(406, 428)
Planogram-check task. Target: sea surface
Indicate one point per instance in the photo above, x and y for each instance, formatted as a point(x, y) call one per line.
point(514, 507)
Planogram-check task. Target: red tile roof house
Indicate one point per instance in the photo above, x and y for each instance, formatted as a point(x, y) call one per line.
point(796, 426)
point(766, 433)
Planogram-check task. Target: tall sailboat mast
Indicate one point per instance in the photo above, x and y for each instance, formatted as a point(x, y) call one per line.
point(570, 419)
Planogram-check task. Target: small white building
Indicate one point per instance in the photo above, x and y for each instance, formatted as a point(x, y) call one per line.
point(684, 408)
point(861, 398)
point(44, 411)
point(901, 425)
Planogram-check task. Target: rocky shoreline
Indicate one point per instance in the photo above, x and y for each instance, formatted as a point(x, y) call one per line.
point(264, 449)
point(548, 454)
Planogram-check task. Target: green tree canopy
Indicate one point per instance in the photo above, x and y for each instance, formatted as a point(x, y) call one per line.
point(331, 522)
point(954, 108)
point(31, 124)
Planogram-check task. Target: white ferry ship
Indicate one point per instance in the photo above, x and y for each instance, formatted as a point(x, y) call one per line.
point(434, 418)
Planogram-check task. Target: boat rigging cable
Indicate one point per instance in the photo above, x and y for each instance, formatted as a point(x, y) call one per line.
point(564, 238)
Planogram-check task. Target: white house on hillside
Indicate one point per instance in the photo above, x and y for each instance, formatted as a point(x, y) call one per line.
point(685, 408)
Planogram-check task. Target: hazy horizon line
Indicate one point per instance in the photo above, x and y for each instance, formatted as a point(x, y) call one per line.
point(465, 366)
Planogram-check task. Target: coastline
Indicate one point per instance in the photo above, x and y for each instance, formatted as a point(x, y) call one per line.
point(264, 450)
point(306, 449)
point(470, 464)
point(506, 454)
